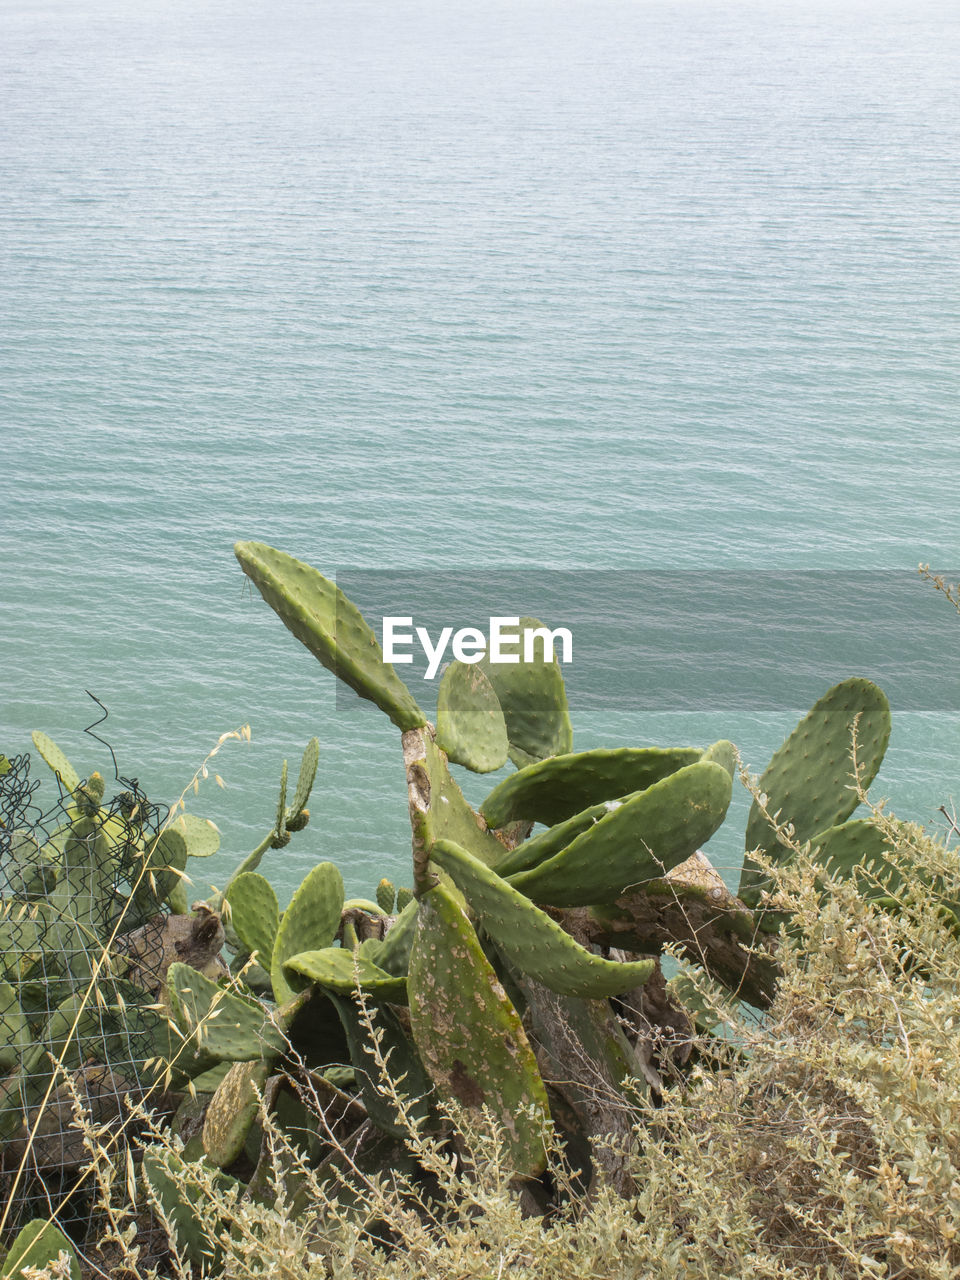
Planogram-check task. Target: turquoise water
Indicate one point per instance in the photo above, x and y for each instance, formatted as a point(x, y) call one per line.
point(570, 285)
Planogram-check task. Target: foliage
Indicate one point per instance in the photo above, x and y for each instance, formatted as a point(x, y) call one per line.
point(496, 990)
point(488, 1071)
point(818, 1139)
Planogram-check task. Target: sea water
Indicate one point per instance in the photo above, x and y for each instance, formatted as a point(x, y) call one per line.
point(580, 286)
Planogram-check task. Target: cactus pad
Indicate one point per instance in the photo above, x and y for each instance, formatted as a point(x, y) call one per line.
point(437, 807)
point(311, 921)
point(536, 945)
point(255, 915)
point(725, 753)
point(858, 850)
point(809, 781)
point(38, 1245)
point(221, 1023)
point(305, 780)
point(201, 836)
point(556, 789)
point(340, 970)
point(58, 762)
point(534, 702)
point(232, 1110)
point(470, 724)
point(331, 626)
point(469, 1035)
point(638, 841)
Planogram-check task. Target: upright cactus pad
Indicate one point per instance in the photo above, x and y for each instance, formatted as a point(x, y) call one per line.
point(536, 945)
point(556, 789)
point(725, 753)
point(51, 754)
point(311, 921)
point(331, 627)
point(232, 1110)
point(534, 701)
point(386, 896)
point(809, 781)
point(305, 780)
point(470, 724)
point(469, 1035)
point(637, 841)
point(393, 953)
point(255, 915)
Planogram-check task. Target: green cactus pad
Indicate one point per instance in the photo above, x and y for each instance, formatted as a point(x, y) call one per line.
point(51, 754)
point(469, 1035)
point(85, 888)
point(310, 922)
point(725, 753)
point(168, 1184)
point(338, 969)
point(39, 1244)
point(858, 850)
point(393, 953)
point(15, 1035)
point(331, 626)
point(255, 915)
point(555, 790)
point(470, 724)
point(305, 780)
point(536, 945)
point(221, 1023)
point(232, 1110)
point(200, 835)
point(639, 840)
point(809, 781)
point(165, 860)
point(386, 896)
point(364, 904)
point(543, 846)
point(534, 702)
point(403, 1063)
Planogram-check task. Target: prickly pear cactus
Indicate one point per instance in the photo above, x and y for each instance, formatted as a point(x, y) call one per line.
point(255, 915)
point(536, 945)
point(38, 1246)
point(438, 809)
point(310, 922)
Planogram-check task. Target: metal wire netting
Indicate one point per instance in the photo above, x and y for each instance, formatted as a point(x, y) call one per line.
point(82, 959)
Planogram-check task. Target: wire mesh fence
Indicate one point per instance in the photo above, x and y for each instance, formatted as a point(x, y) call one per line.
point(83, 934)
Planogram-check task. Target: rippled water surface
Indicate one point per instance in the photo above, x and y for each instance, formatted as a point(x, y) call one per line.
point(580, 285)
